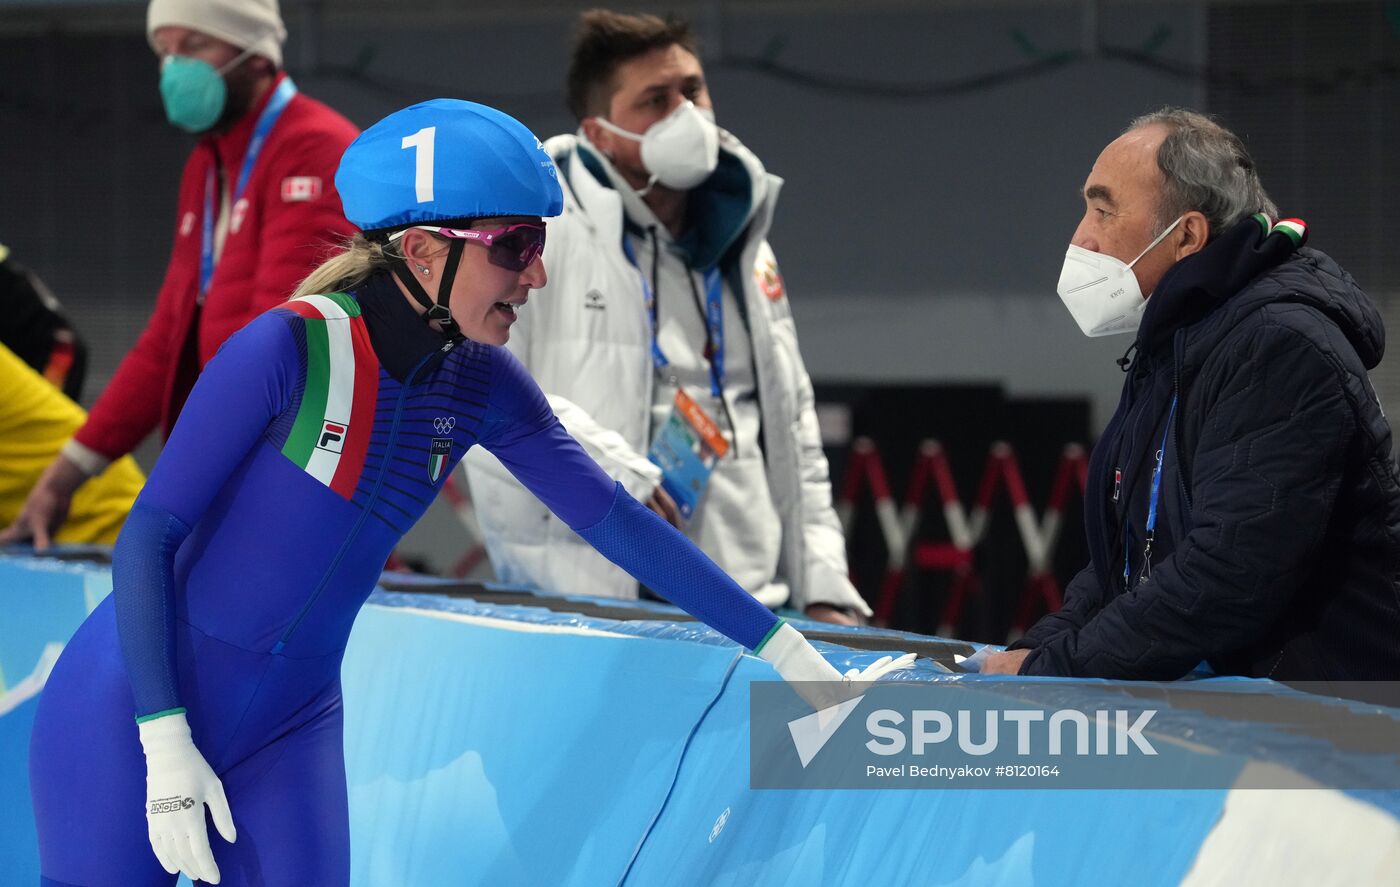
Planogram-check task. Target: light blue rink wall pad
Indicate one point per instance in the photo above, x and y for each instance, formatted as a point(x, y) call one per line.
point(501, 744)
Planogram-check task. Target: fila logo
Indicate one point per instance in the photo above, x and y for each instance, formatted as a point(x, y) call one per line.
point(332, 436)
point(299, 189)
point(594, 300)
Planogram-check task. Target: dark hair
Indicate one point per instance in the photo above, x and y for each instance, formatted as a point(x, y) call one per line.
point(604, 40)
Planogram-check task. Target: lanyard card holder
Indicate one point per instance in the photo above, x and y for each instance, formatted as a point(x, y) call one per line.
point(686, 449)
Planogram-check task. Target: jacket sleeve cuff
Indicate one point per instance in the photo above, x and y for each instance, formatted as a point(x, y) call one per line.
point(1048, 659)
point(827, 587)
point(640, 479)
point(88, 460)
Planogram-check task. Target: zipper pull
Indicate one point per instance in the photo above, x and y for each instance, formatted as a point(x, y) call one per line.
point(1146, 559)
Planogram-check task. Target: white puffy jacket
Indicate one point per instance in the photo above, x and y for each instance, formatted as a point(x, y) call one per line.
point(585, 337)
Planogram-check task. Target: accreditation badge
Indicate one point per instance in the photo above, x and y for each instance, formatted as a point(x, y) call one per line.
point(686, 449)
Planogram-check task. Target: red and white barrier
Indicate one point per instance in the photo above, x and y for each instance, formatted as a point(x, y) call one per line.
point(1039, 538)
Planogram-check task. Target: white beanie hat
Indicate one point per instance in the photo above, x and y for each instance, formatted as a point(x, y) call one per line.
point(247, 24)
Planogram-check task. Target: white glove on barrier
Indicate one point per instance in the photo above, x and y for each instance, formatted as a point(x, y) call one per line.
point(815, 680)
point(179, 782)
point(974, 662)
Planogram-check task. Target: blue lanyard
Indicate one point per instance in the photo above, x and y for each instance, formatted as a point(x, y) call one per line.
point(714, 321)
point(275, 106)
point(1151, 506)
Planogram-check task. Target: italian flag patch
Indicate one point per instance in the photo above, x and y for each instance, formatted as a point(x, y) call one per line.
point(438, 454)
point(330, 435)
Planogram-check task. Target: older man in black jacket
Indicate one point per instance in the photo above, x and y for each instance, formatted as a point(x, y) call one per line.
point(1243, 508)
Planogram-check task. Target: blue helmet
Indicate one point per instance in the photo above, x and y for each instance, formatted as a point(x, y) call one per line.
point(445, 160)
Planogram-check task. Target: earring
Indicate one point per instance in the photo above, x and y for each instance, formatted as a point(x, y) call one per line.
point(423, 269)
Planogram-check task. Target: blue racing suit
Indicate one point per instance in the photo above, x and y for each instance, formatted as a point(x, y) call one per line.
point(311, 443)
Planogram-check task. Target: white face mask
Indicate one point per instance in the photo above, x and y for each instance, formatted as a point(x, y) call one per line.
point(680, 150)
point(1101, 292)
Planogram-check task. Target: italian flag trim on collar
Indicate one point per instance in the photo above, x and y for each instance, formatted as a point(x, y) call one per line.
point(330, 436)
point(1296, 229)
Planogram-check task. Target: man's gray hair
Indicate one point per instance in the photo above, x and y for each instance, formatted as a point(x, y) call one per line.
point(1206, 168)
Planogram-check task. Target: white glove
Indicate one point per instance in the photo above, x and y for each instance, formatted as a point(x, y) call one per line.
point(179, 782)
point(815, 680)
point(974, 662)
point(879, 668)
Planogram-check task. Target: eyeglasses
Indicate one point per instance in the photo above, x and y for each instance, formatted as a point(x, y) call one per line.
point(513, 247)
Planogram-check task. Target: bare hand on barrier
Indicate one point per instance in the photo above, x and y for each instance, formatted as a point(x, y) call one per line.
point(47, 506)
point(1008, 662)
point(662, 503)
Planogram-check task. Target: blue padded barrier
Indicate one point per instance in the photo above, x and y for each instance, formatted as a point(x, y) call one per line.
point(41, 602)
point(507, 744)
point(717, 832)
point(520, 755)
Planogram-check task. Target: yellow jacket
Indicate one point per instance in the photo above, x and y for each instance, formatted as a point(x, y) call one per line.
point(36, 419)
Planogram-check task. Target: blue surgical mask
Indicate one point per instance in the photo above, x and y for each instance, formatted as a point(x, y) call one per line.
point(193, 91)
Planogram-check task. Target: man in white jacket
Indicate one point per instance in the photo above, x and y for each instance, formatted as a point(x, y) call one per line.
point(661, 281)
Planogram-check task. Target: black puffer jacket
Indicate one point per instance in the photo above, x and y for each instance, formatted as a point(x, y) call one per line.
point(34, 327)
point(1277, 545)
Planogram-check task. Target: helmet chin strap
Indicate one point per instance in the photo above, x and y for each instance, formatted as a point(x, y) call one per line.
point(439, 310)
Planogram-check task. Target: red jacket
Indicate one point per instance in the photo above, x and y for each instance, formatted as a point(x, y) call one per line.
point(289, 220)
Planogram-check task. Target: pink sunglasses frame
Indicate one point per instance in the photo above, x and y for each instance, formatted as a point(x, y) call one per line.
point(487, 237)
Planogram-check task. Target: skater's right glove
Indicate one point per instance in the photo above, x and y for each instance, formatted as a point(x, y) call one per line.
point(815, 680)
point(179, 783)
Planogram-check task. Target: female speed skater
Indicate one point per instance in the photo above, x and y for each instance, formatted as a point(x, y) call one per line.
point(312, 442)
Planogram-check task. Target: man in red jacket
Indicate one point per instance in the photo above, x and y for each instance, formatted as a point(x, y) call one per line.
point(257, 211)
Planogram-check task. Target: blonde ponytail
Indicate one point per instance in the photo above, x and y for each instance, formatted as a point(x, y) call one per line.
point(348, 268)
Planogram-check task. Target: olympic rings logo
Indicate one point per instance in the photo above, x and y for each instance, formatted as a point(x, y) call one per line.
point(444, 426)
